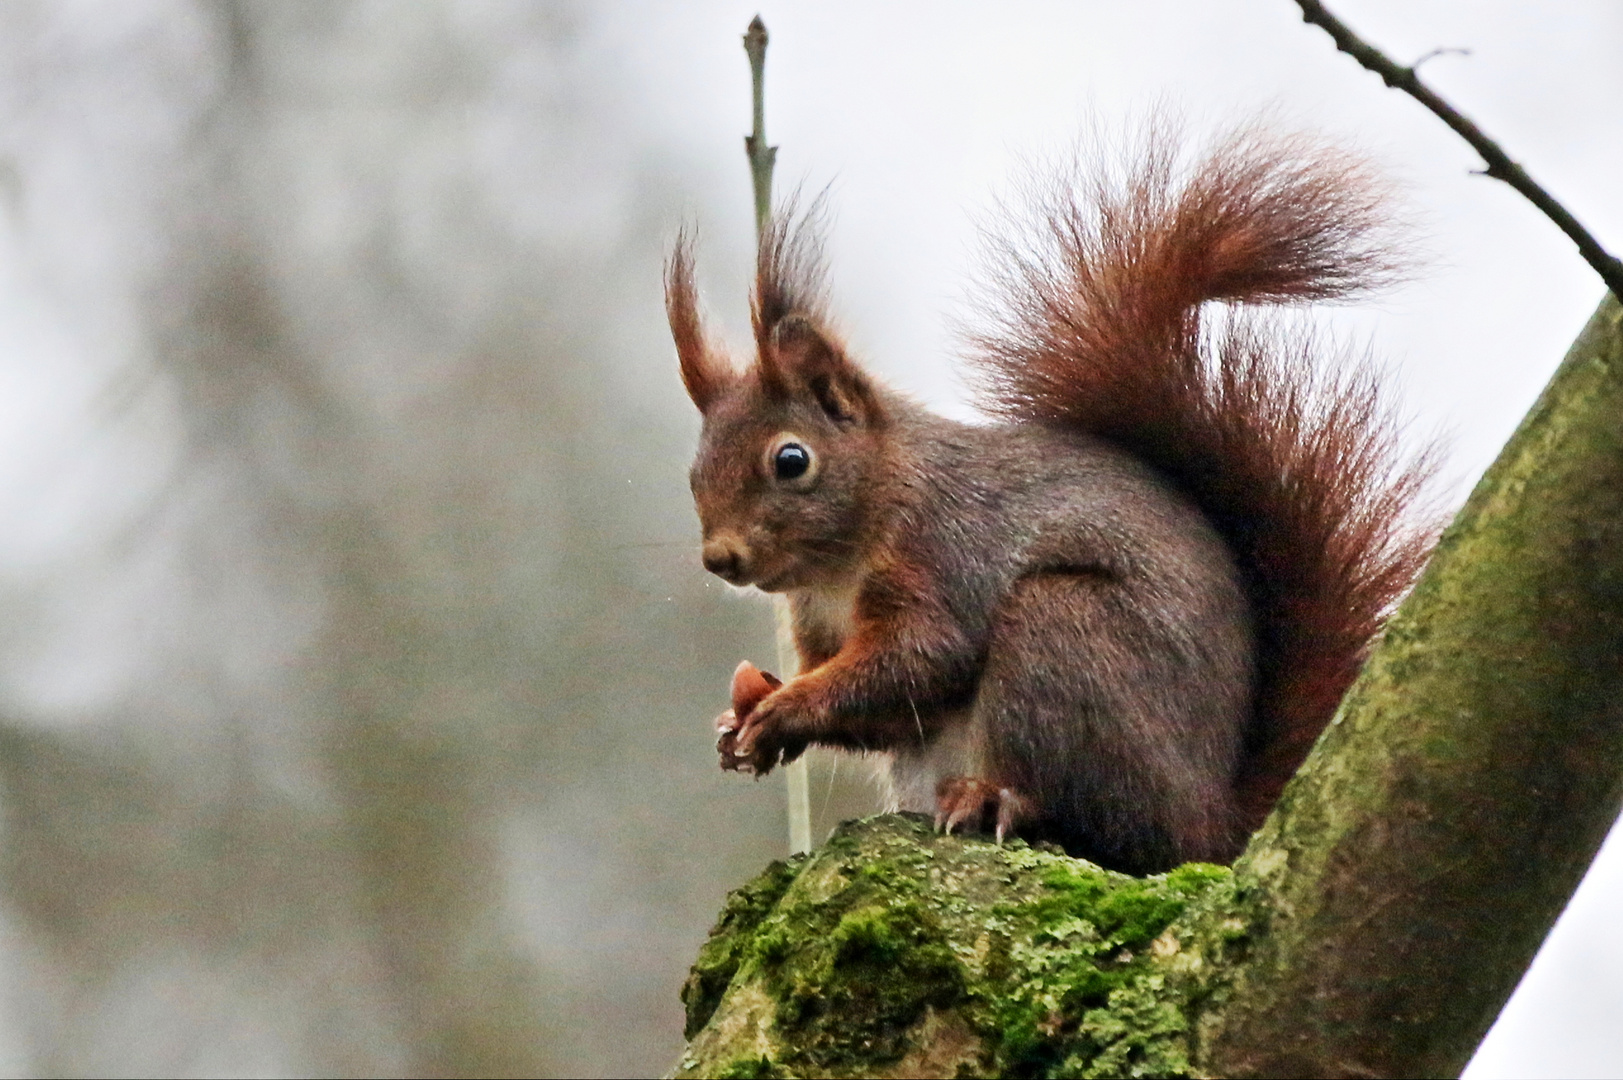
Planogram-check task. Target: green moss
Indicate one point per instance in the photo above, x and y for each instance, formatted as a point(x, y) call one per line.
point(861, 971)
point(899, 950)
point(1138, 1033)
point(1089, 1001)
point(731, 939)
point(749, 1068)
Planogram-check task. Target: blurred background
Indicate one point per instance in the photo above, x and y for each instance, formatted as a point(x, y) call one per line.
point(358, 667)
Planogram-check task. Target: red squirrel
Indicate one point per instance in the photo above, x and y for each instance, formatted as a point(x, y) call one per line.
point(1116, 616)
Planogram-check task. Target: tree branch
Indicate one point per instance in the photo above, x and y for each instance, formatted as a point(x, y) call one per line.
point(762, 158)
point(1441, 823)
point(1498, 163)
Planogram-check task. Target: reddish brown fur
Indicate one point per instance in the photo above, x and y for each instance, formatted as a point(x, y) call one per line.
point(790, 273)
point(1295, 464)
point(1126, 615)
point(700, 373)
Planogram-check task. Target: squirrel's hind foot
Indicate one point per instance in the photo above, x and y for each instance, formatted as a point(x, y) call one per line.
point(965, 800)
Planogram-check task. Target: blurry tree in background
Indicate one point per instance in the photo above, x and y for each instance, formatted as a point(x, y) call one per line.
point(354, 702)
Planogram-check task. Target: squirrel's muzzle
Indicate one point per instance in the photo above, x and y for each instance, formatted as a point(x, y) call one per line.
point(727, 558)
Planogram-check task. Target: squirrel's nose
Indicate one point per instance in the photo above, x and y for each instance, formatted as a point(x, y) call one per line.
point(726, 559)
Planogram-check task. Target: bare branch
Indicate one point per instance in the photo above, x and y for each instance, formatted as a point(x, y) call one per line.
point(762, 157)
point(1499, 165)
point(1441, 50)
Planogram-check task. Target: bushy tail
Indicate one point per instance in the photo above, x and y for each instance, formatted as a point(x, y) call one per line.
point(1294, 460)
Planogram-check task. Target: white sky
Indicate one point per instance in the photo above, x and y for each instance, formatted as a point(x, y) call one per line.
point(919, 114)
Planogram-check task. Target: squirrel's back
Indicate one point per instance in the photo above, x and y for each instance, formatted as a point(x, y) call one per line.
point(1118, 677)
point(1099, 326)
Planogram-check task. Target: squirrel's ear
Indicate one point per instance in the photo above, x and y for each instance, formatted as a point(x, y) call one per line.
point(701, 374)
point(803, 358)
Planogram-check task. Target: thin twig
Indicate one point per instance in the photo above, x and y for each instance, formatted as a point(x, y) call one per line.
point(1441, 50)
point(1499, 165)
point(762, 157)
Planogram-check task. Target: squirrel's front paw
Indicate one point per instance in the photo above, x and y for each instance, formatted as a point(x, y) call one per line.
point(727, 725)
point(744, 735)
point(748, 745)
point(760, 743)
point(741, 745)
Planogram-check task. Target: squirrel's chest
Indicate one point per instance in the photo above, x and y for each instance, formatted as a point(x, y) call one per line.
point(825, 617)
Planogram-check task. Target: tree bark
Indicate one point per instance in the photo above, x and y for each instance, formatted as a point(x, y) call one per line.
point(1427, 846)
point(1378, 920)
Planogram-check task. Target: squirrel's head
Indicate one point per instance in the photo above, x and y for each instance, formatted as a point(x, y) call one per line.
point(791, 451)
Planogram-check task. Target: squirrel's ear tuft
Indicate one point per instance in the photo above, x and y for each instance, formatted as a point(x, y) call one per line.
point(803, 359)
point(701, 374)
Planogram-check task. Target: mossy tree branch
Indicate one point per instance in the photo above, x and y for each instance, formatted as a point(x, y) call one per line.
point(1378, 920)
point(1428, 844)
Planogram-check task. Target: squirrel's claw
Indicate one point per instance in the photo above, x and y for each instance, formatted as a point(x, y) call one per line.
point(737, 744)
point(956, 814)
point(961, 799)
point(738, 729)
point(727, 738)
point(747, 746)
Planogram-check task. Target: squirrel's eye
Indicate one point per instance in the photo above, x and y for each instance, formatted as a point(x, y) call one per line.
point(791, 461)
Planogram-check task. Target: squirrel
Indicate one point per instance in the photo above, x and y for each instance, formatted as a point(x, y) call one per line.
point(1117, 615)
